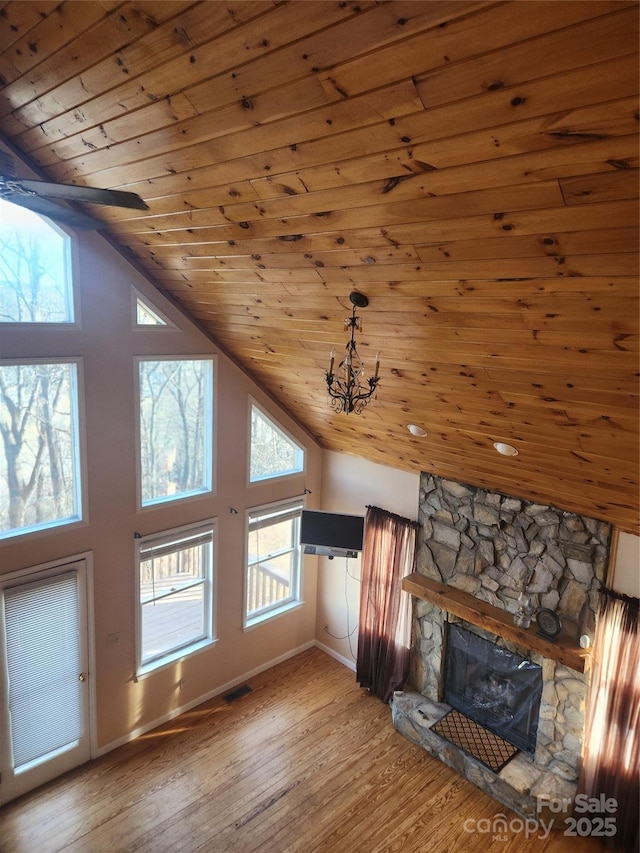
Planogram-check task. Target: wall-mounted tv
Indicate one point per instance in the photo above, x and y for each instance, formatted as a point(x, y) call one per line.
point(331, 534)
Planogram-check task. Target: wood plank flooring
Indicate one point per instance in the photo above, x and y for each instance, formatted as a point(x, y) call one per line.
point(306, 761)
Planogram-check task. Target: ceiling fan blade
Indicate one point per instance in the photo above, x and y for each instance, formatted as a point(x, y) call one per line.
point(56, 212)
point(94, 195)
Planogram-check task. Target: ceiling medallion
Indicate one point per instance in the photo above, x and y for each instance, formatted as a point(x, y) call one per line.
point(347, 389)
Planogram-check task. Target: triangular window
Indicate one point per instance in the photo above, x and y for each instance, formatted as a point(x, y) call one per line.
point(273, 452)
point(147, 315)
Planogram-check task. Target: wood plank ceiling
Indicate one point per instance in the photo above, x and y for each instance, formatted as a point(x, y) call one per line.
point(471, 167)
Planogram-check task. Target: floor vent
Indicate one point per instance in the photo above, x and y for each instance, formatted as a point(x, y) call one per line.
point(238, 693)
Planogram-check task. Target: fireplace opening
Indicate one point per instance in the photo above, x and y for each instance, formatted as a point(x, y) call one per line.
point(497, 688)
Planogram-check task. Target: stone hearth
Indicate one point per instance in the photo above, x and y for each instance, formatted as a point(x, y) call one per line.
point(490, 545)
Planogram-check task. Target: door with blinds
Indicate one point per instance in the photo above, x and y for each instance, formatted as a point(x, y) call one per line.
point(44, 683)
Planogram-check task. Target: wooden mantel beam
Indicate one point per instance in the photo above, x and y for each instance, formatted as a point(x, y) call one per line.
point(564, 650)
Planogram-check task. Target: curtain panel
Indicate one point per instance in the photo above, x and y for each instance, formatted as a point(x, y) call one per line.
point(385, 609)
point(611, 750)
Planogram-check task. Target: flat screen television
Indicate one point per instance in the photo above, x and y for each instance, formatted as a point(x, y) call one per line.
point(330, 534)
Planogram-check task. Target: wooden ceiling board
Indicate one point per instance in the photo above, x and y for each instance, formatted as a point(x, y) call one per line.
point(471, 167)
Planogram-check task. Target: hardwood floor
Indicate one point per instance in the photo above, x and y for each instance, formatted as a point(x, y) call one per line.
point(306, 761)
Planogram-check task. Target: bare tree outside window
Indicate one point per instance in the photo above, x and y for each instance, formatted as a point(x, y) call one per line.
point(35, 276)
point(39, 468)
point(273, 452)
point(39, 471)
point(175, 428)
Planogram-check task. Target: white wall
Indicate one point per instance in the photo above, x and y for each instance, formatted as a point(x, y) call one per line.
point(348, 485)
point(107, 343)
point(626, 572)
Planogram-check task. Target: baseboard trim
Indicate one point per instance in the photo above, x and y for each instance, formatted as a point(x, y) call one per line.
point(345, 661)
point(223, 688)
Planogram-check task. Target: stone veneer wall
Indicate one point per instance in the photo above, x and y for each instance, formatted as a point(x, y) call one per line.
point(489, 545)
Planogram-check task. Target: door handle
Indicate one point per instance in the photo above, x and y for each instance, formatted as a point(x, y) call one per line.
point(82, 676)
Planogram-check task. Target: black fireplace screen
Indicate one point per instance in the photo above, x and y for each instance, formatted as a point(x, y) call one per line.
point(493, 686)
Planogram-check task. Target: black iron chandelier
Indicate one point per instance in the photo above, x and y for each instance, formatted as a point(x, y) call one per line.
point(349, 391)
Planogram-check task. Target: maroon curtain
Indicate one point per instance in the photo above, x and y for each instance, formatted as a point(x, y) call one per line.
point(611, 751)
point(385, 610)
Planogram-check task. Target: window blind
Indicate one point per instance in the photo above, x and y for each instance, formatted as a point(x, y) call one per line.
point(42, 629)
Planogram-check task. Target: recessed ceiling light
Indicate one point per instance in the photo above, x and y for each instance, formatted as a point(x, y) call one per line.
point(505, 449)
point(414, 429)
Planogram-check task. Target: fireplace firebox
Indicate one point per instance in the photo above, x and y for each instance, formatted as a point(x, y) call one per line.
point(497, 688)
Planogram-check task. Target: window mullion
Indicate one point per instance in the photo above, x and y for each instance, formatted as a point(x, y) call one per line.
point(174, 591)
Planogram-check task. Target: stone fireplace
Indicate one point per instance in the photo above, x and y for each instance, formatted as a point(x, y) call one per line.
point(493, 686)
point(478, 551)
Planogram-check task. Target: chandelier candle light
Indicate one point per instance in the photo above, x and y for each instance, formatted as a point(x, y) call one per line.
point(347, 388)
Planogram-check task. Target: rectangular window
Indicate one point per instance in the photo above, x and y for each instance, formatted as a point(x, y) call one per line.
point(176, 427)
point(273, 560)
point(39, 446)
point(175, 594)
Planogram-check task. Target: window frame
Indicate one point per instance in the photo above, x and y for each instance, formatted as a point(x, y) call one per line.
point(210, 437)
point(72, 295)
point(277, 426)
point(79, 450)
point(164, 538)
point(274, 509)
